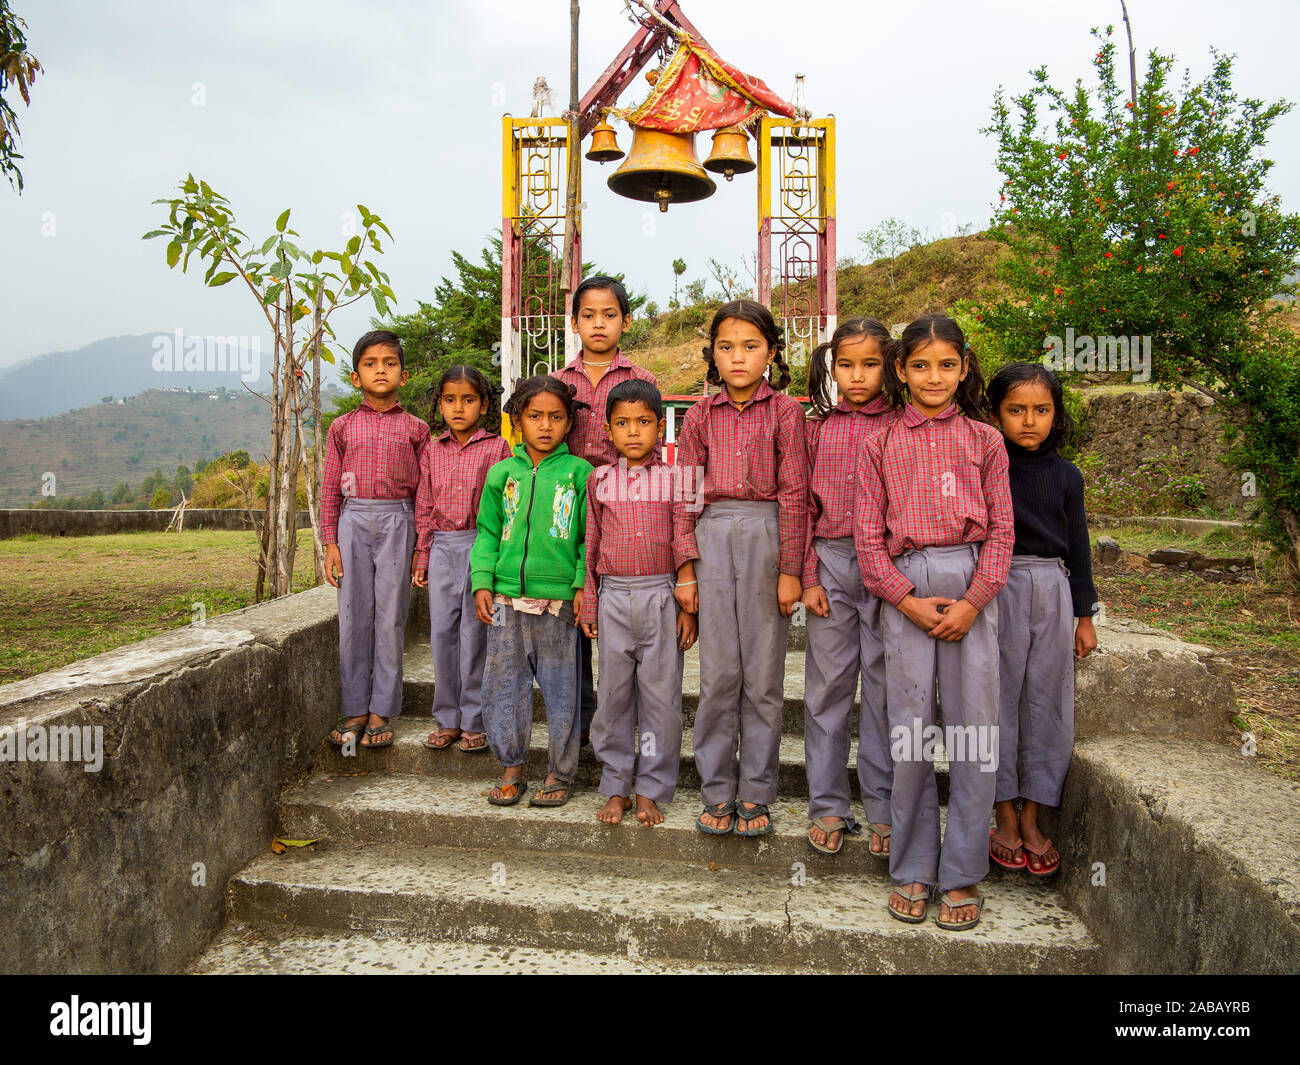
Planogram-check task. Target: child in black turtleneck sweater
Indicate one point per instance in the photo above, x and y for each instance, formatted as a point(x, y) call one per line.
point(1050, 583)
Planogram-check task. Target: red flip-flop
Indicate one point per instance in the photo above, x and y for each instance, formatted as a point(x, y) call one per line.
point(1046, 870)
point(1017, 845)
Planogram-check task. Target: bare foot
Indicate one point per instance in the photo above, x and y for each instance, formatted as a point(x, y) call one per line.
point(898, 900)
point(817, 833)
point(879, 843)
point(959, 913)
point(512, 777)
point(614, 809)
point(648, 812)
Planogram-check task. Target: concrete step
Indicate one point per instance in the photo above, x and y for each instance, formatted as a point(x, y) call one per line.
point(241, 949)
point(418, 681)
point(422, 810)
point(409, 755)
point(637, 909)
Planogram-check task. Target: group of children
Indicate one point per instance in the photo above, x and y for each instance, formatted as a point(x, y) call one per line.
point(933, 534)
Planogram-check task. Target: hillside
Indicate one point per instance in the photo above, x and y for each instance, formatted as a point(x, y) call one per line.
point(116, 366)
point(101, 445)
point(928, 278)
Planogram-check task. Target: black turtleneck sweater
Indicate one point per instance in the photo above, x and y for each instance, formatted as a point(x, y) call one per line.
point(1047, 493)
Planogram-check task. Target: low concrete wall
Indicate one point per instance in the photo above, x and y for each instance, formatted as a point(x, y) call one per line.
point(1181, 856)
point(98, 522)
point(202, 727)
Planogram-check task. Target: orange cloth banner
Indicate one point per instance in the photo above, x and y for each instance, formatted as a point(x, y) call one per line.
point(698, 91)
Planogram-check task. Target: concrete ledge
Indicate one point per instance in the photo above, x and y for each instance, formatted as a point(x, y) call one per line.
point(202, 727)
point(1201, 855)
point(99, 522)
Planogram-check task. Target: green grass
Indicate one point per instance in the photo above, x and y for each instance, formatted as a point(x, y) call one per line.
point(67, 598)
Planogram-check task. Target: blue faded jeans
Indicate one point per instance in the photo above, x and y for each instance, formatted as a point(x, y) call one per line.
point(520, 648)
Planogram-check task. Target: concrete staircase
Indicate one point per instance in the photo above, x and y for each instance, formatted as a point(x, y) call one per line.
point(417, 872)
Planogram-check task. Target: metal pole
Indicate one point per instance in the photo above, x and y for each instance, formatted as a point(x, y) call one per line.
point(573, 148)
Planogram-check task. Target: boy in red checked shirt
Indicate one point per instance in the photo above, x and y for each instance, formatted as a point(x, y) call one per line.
point(371, 472)
point(635, 513)
point(601, 315)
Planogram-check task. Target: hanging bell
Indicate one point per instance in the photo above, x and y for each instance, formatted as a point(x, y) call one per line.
point(604, 145)
point(662, 168)
point(730, 155)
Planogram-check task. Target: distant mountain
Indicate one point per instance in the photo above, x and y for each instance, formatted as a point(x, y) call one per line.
point(123, 366)
point(107, 443)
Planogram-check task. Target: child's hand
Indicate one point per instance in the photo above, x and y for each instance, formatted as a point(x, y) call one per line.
point(333, 561)
point(688, 629)
point(924, 613)
point(956, 621)
point(1085, 638)
point(788, 590)
point(483, 606)
point(419, 577)
point(577, 607)
point(815, 600)
point(589, 631)
point(687, 589)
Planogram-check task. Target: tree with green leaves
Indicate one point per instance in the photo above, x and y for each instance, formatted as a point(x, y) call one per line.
point(679, 268)
point(19, 68)
point(887, 241)
point(290, 286)
point(1151, 218)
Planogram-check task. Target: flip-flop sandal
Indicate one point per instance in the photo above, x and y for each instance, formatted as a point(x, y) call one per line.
point(451, 740)
point(1016, 846)
point(1038, 852)
point(838, 824)
point(518, 783)
point(550, 789)
point(753, 815)
point(921, 896)
point(721, 809)
point(346, 730)
point(956, 904)
point(884, 834)
point(386, 727)
point(482, 745)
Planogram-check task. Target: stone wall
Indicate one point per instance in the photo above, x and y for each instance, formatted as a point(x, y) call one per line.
point(98, 522)
point(1130, 428)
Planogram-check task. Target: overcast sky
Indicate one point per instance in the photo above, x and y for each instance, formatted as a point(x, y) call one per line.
point(320, 105)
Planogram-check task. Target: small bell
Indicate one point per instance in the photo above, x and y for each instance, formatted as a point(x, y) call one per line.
point(730, 155)
point(662, 168)
point(604, 144)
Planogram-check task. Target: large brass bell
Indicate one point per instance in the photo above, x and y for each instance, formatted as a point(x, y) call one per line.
point(662, 168)
point(604, 145)
point(730, 155)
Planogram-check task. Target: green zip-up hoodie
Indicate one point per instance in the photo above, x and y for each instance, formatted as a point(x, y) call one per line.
point(531, 526)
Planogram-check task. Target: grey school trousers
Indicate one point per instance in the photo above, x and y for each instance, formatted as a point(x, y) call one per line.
point(640, 687)
point(840, 648)
point(1036, 712)
point(742, 652)
point(966, 672)
point(376, 542)
point(456, 636)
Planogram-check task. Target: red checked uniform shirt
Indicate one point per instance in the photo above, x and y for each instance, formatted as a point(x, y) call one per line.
point(451, 483)
point(934, 482)
point(588, 439)
point(834, 447)
point(369, 454)
point(758, 453)
point(635, 517)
